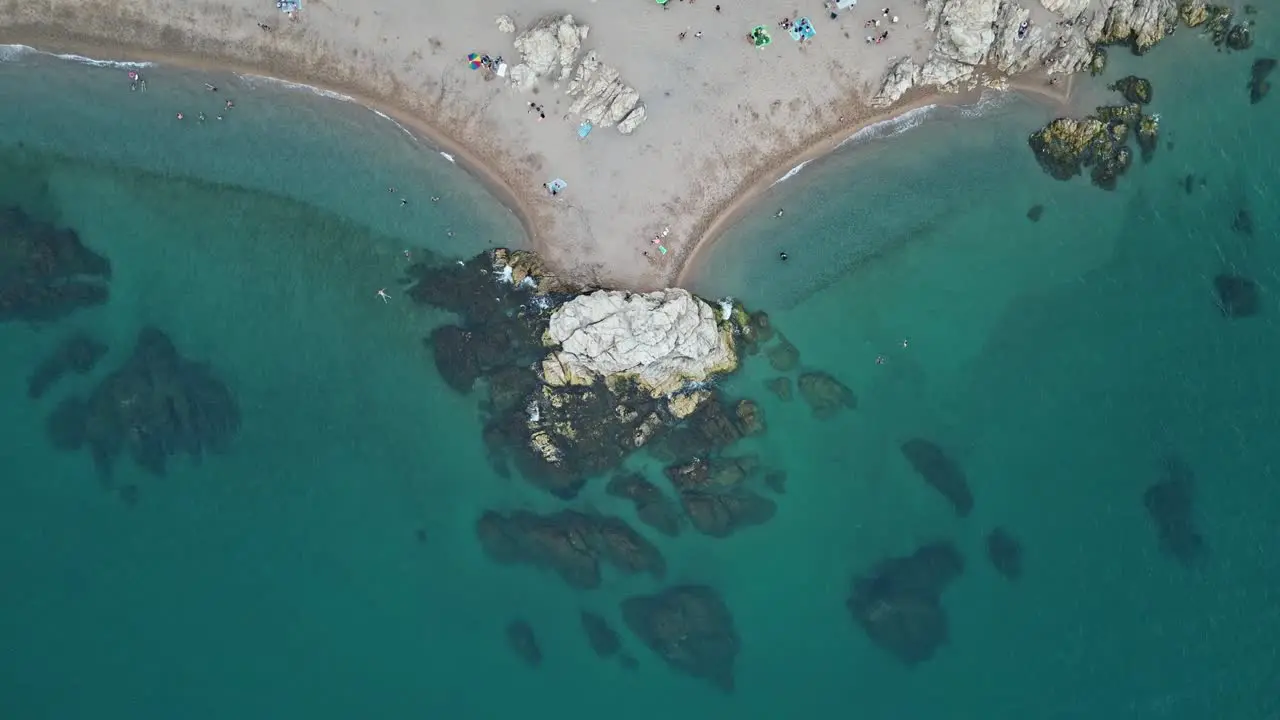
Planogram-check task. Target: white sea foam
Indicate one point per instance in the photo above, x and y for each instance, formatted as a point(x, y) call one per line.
point(791, 173)
point(988, 101)
point(506, 274)
point(267, 80)
point(392, 120)
point(448, 157)
point(10, 53)
point(893, 126)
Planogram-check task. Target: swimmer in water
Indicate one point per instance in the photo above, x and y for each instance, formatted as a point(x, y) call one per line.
point(230, 105)
point(385, 297)
point(200, 117)
point(180, 116)
point(435, 198)
point(782, 256)
point(879, 359)
point(404, 201)
point(210, 88)
point(779, 213)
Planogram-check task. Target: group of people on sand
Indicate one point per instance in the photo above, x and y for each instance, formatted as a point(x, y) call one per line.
point(875, 22)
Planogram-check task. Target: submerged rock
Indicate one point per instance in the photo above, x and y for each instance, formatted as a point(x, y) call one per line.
point(603, 639)
point(523, 642)
point(941, 472)
point(1098, 61)
point(156, 405)
point(776, 480)
point(1242, 222)
point(78, 354)
point(783, 356)
point(780, 386)
point(1237, 295)
point(652, 506)
point(825, 395)
point(45, 272)
point(1005, 553)
point(1239, 37)
point(1035, 213)
point(1258, 85)
point(1148, 136)
point(690, 628)
point(714, 496)
point(899, 603)
point(750, 418)
point(1135, 89)
point(571, 543)
point(1169, 505)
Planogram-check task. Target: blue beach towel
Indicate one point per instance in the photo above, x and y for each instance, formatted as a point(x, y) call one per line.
point(584, 129)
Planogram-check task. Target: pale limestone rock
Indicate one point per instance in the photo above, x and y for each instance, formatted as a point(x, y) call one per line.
point(1066, 8)
point(662, 339)
point(632, 120)
point(506, 24)
point(522, 77)
point(963, 28)
point(551, 46)
point(684, 404)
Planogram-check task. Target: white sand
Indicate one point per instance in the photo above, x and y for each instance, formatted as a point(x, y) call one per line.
point(723, 116)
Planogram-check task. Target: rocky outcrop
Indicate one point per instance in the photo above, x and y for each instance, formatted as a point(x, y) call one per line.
point(1065, 146)
point(505, 24)
point(983, 42)
point(663, 340)
point(941, 472)
point(551, 48)
point(77, 354)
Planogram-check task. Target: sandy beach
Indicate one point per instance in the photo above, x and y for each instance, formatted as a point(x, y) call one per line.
point(725, 119)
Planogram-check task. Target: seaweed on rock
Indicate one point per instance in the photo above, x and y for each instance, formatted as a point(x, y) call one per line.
point(1066, 146)
point(45, 272)
point(714, 495)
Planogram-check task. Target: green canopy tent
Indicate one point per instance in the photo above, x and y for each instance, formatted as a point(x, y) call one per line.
point(760, 36)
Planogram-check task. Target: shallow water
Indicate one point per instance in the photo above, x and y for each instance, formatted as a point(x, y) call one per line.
point(1058, 362)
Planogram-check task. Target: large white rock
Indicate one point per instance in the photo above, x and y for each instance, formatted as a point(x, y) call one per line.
point(662, 339)
point(505, 24)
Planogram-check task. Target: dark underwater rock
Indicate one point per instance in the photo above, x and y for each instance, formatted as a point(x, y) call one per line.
point(603, 639)
point(652, 507)
point(1169, 504)
point(780, 386)
point(708, 430)
point(762, 325)
point(1242, 222)
point(714, 497)
point(1237, 295)
point(941, 472)
point(1258, 85)
point(783, 356)
point(1005, 553)
point(78, 354)
point(776, 480)
point(899, 603)
point(1035, 213)
point(158, 404)
point(1135, 89)
point(825, 395)
point(523, 642)
point(750, 417)
point(571, 543)
point(45, 272)
point(690, 628)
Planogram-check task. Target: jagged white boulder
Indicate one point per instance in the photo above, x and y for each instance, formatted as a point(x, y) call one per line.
point(632, 120)
point(663, 340)
point(600, 95)
point(551, 46)
point(505, 24)
point(984, 41)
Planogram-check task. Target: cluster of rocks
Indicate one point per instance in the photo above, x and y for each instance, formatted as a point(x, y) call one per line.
point(46, 273)
point(157, 404)
point(552, 49)
point(1066, 146)
point(826, 396)
point(984, 42)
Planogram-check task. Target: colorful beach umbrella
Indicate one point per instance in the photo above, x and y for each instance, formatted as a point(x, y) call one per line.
point(475, 61)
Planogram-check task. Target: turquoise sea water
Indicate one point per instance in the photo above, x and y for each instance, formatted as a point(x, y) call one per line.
point(327, 565)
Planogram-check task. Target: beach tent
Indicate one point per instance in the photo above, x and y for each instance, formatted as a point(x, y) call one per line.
point(835, 5)
point(557, 186)
point(802, 28)
point(760, 36)
point(475, 61)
